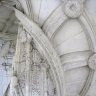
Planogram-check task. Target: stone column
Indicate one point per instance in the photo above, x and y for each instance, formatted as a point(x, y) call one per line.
point(14, 79)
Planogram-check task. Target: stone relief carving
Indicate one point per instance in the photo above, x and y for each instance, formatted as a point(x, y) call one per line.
point(31, 70)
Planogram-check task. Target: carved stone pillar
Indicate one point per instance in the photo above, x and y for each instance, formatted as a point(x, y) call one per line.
point(38, 75)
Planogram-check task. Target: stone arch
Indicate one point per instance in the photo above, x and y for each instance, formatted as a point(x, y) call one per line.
point(88, 30)
point(48, 51)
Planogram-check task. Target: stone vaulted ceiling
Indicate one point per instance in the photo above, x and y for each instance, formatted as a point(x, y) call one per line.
point(62, 41)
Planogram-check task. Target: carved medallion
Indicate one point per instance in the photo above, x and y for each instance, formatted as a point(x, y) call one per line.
point(73, 8)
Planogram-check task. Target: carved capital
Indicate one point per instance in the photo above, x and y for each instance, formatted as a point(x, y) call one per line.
point(92, 62)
